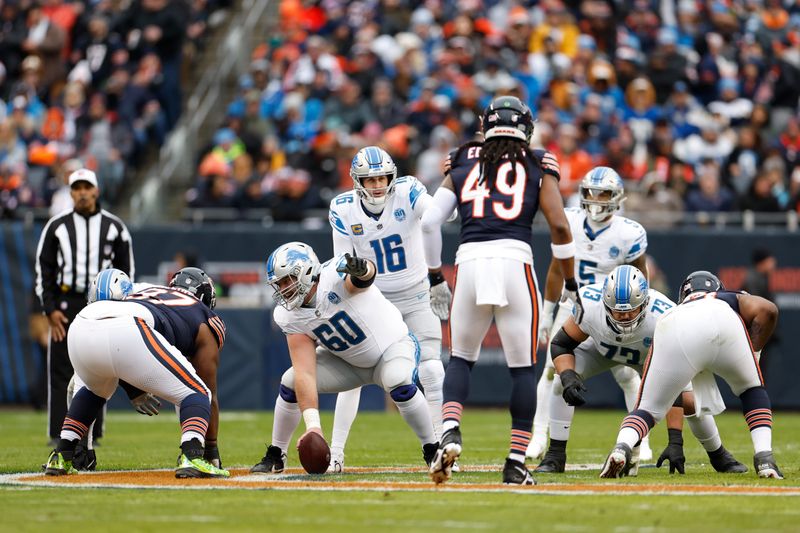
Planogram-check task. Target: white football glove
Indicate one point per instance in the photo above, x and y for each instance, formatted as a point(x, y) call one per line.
point(571, 293)
point(146, 404)
point(440, 296)
point(546, 323)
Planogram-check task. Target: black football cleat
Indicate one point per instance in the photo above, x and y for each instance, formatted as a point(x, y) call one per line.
point(723, 461)
point(273, 462)
point(554, 462)
point(515, 473)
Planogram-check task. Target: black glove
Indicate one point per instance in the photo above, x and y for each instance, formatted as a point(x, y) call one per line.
point(211, 454)
point(571, 293)
point(673, 452)
point(354, 265)
point(573, 387)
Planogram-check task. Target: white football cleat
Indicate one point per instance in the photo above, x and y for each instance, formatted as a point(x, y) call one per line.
point(537, 447)
point(617, 461)
point(337, 464)
point(645, 452)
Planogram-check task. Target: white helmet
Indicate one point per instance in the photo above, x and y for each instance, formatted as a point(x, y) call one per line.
point(297, 261)
point(624, 290)
point(372, 162)
point(601, 193)
point(109, 284)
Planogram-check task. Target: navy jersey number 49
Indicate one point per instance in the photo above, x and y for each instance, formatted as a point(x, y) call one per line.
point(349, 334)
point(476, 192)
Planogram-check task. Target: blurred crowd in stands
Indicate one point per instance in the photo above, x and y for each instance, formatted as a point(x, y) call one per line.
point(89, 83)
point(694, 103)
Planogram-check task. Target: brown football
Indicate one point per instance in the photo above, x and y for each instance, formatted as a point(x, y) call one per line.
point(314, 453)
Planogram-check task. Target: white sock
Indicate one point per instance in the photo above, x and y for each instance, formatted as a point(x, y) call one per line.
point(287, 416)
point(541, 419)
point(431, 376)
point(762, 439)
point(186, 436)
point(447, 425)
point(560, 414)
point(343, 417)
point(415, 413)
point(705, 431)
point(629, 436)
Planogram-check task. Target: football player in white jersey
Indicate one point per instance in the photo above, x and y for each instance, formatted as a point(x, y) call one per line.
point(380, 220)
point(342, 333)
point(617, 328)
point(603, 241)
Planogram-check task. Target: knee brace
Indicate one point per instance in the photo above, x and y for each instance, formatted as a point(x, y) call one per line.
point(403, 393)
point(431, 374)
point(287, 394)
point(624, 374)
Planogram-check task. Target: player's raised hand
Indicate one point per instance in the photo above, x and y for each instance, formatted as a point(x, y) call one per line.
point(573, 388)
point(353, 265)
point(440, 295)
point(571, 293)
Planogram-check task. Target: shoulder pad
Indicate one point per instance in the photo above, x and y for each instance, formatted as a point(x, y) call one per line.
point(548, 161)
point(217, 327)
point(344, 198)
point(336, 222)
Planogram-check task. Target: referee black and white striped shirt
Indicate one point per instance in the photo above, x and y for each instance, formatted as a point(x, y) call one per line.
point(73, 248)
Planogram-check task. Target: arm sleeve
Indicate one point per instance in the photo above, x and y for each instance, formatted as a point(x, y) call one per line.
point(440, 208)
point(638, 244)
point(123, 252)
point(341, 244)
point(47, 268)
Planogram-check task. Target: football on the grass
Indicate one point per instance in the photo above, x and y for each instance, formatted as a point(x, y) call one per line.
point(315, 455)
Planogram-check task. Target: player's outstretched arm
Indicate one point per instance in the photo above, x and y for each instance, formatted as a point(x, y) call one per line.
point(562, 350)
point(761, 317)
point(440, 208)
point(553, 209)
point(360, 273)
point(552, 293)
point(304, 362)
point(641, 263)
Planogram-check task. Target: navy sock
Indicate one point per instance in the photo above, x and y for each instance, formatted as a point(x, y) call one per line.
point(522, 407)
point(83, 410)
point(455, 389)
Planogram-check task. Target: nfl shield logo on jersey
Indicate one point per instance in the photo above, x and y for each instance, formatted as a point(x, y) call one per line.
point(358, 229)
point(613, 252)
point(334, 298)
point(400, 214)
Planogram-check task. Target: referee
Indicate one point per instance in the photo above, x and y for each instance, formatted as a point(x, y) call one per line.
point(74, 246)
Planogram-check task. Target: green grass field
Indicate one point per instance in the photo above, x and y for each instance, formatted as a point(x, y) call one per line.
point(381, 439)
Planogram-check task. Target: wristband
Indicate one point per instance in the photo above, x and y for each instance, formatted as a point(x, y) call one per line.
point(311, 418)
point(563, 251)
point(675, 436)
point(363, 283)
point(571, 285)
point(435, 278)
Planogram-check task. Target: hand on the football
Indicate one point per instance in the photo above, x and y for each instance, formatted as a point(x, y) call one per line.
point(312, 430)
point(573, 388)
point(354, 265)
